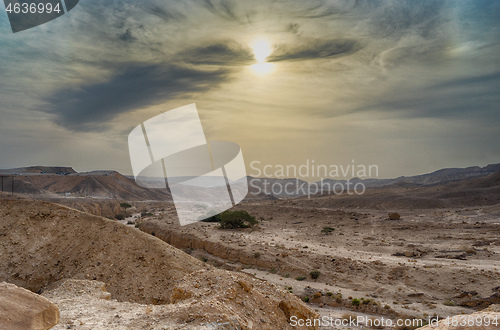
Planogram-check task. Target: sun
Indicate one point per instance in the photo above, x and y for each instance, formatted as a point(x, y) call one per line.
point(261, 50)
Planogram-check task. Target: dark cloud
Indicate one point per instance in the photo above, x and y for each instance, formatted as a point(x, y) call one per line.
point(88, 108)
point(294, 28)
point(474, 97)
point(126, 36)
point(314, 49)
point(226, 52)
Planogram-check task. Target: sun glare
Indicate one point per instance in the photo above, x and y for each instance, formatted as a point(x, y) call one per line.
point(261, 50)
point(262, 68)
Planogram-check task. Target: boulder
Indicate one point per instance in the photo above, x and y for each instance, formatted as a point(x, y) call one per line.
point(21, 309)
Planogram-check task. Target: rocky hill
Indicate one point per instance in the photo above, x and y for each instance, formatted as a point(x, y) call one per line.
point(42, 244)
point(98, 184)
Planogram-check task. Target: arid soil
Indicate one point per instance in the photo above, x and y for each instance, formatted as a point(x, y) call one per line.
point(430, 262)
point(42, 244)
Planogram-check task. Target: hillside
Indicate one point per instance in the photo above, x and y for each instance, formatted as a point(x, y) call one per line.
point(43, 243)
point(102, 184)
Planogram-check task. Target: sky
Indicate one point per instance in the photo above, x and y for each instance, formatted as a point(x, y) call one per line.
point(409, 86)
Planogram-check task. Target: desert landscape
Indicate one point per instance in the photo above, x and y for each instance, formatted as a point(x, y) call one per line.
point(403, 250)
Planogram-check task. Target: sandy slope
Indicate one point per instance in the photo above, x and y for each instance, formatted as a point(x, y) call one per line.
point(42, 243)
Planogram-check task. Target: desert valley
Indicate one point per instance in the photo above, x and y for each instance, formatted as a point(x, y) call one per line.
point(111, 255)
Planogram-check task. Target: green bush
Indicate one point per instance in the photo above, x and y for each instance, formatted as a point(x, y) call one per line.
point(327, 230)
point(300, 278)
point(306, 299)
point(125, 205)
point(236, 219)
point(120, 216)
point(355, 302)
point(314, 274)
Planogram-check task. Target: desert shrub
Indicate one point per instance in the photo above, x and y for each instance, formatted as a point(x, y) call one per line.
point(329, 293)
point(314, 274)
point(300, 278)
point(449, 303)
point(356, 302)
point(367, 301)
point(327, 230)
point(286, 275)
point(125, 205)
point(306, 299)
point(317, 295)
point(236, 219)
point(120, 216)
point(394, 216)
point(204, 259)
point(146, 214)
point(256, 254)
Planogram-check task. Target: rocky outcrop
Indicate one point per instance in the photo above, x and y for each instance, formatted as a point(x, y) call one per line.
point(21, 309)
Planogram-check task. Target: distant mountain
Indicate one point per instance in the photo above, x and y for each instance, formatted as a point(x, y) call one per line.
point(66, 182)
point(289, 188)
point(52, 182)
point(470, 192)
point(38, 170)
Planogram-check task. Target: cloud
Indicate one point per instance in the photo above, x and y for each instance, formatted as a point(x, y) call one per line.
point(226, 52)
point(134, 86)
point(126, 36)
point(397, 18)
point(314, 49)
point(294, 28)
point(318, 9)
point(164, 13)
point(222, 8)
point(475, 98)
